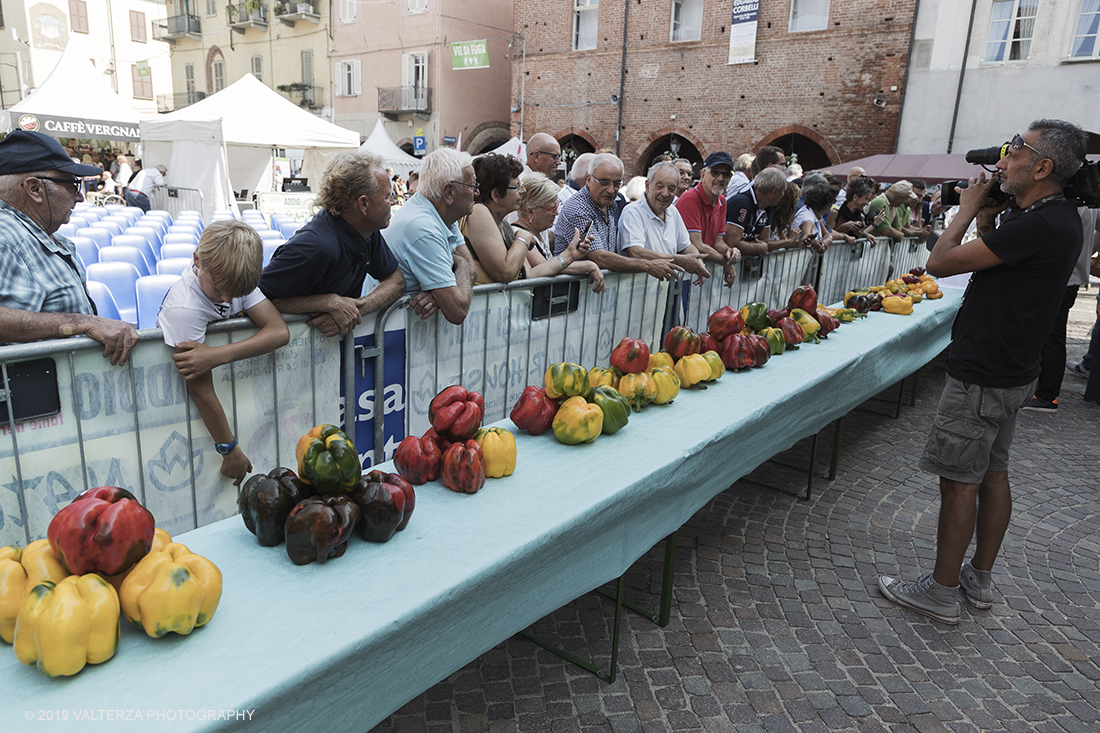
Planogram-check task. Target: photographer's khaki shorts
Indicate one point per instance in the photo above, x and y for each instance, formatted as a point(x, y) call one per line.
point(973, 430)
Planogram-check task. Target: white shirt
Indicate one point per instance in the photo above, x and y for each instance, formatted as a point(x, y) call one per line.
point(738, 183)
point(640, 227)
point(186, 310)
point(804, 215)
point(146, 180)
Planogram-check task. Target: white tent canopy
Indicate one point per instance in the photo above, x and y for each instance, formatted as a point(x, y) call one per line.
point(513, 147)
point(251, 121)
point(381, 145)
point(75, 101)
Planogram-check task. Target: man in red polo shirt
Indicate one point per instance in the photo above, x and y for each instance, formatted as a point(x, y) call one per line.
point(703, 209)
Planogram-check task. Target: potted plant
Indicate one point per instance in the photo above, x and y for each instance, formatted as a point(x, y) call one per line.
point(231, 12)
point(280, 8)
point(253, 8)
point(305, 8)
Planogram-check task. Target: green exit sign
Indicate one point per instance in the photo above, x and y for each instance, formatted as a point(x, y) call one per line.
point(469, 55)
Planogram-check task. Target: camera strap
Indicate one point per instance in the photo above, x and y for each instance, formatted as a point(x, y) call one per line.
point(1043, 201)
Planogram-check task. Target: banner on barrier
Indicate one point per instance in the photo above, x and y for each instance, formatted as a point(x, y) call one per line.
point(129, 427)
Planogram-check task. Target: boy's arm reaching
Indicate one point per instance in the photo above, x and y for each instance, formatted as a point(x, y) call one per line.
point(235, 465)
point(193, 359)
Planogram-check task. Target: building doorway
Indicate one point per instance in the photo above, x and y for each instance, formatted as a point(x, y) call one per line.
point(811, 156)
point(670, 147)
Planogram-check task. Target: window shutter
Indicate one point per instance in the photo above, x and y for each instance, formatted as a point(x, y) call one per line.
point(356, 78)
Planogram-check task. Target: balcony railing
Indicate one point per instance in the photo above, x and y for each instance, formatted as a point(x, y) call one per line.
point(177, 26)
point(171, 102)
point(394, 100)
point(289, 12)
point(245, 15)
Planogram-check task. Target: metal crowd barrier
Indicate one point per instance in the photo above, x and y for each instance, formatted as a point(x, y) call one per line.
point(80, 423)
point(515, 330)
point(174, 199)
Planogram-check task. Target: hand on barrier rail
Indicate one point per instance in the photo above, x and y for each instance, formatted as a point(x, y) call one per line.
point(117, 337)
point(662, 269)
point(693, 262)
point(423, 304)
point(342, 316)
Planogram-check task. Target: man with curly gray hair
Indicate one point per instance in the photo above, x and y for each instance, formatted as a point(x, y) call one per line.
point(321, 269)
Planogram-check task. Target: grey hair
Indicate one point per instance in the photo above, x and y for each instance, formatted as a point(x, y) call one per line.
point(744, 162)
point(161, 167)
point(440, 167)
point(1064, 143)
point(658, 167)
point(580, 167)
point(769, 179)
point(635, 189)
point(538, 190)
point(605, 159)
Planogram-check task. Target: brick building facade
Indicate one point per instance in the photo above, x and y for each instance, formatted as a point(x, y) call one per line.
point(830, 95)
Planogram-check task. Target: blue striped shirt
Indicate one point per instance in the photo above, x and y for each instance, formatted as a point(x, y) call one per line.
point(34, 273)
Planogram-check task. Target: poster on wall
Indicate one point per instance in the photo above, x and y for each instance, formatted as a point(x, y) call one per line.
point(743, 31)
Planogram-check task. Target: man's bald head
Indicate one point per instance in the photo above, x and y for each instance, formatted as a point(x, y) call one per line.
point(855, 172)
point(543, 153)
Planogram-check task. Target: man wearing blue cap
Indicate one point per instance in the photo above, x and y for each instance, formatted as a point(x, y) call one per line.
point(42, 292)
point(703, 209)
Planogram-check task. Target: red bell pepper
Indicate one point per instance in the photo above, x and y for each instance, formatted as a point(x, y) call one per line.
point(724, 322)
point(418, 459)
point(631, 356)
point(804, 297)
point(708, 343)
point(534, 411)
point(104, 530)
point(319, 528)
point(682, 341)
point(761, 349)
point(456, 414)
point(442, 443)
point(397, 480)
point(381, 506)
point(828, 323)
point(792, 332)
point(737, 352)
point(464, 467)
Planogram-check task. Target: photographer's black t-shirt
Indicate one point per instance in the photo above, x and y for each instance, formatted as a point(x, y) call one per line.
point(1008, 310)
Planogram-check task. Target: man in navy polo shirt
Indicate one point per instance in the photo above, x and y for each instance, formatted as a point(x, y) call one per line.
point(321, 269)
point(749, 213)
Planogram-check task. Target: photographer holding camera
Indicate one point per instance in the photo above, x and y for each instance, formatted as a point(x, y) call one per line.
point(1020, 270)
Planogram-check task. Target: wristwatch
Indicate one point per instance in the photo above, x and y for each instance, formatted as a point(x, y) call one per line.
point(226, 448)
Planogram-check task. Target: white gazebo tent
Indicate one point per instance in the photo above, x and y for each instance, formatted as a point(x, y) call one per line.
point(226, 142)
point(75, 101)
point(394, 157)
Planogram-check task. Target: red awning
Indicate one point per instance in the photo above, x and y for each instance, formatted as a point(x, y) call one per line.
point(931, 169)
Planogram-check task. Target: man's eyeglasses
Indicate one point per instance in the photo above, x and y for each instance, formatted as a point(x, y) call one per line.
point(476, 186)
point(1018, 142)
point(607, 182)
point(74, 182)
point(555, 156)
point(725, 175)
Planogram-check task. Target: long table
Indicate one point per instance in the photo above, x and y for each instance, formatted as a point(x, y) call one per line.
point(341, 645)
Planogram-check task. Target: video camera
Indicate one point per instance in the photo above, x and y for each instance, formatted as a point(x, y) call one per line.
point(1083, 189)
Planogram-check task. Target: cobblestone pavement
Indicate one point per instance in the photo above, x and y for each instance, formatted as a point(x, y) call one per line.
point(778, 624)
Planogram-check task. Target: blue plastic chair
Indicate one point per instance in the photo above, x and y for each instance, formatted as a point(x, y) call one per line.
point(77, 221)
point(173, 251)
point(104, 301)
point(269, 249)
point(101, 236)
point(271, 235)
point(113, 227)
point(184, 229)
point(174, 265)
point(132, 213)
point(155, 223)
point(191, 219)
point(180, 238)
point(87, 248)
point(289, 227)
point(114, 208)
point(92, 213)
point(150, 294)
point(141, 243)
point(132, 255)
point(151, 235)
point(68, 229)
point(166, 215)
point(121, 278)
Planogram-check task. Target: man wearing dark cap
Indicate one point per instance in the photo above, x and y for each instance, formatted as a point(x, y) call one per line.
point(703, 209)
point(42, 293)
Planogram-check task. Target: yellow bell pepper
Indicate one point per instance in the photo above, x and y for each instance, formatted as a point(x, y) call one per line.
point(21, 570)
point(171, 590)
point(499, 449)
point(693, 369)
point(600, 377)
point(63, 626)
point(578, 421)
point(934, 295)
point(899, 304)
point(660, 358)
point(564, 379)
point(667, 382)
point(717, 368)
point(638, 389)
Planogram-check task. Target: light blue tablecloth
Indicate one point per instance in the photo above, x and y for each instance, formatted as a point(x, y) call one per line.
point(340, 646)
